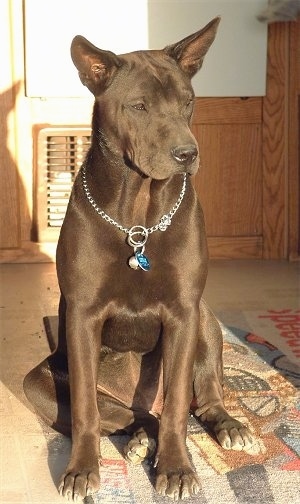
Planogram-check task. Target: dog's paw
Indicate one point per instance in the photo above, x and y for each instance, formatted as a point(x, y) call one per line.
point(179, 484)
point(232, 435)
point(77, 484)
point(139, 447)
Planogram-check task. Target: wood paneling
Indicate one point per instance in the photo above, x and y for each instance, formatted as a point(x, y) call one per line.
point(249, 183)
point(275, 145)
point(30, 252)
point(228, 110)
point(229, 181)
point(241, 247)
point(294, 148)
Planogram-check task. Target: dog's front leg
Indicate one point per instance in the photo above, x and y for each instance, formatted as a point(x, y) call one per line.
point(175, 475)
point(81, 477)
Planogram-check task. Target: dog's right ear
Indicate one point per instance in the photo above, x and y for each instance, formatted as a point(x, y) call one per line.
point(96, 67)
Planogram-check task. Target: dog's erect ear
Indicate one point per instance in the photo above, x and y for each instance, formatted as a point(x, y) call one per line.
point(95, 67)
point(189, 52)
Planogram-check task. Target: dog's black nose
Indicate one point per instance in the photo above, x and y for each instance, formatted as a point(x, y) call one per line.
point(185, 154)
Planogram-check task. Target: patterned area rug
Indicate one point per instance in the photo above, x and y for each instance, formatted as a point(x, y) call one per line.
point(260, 390)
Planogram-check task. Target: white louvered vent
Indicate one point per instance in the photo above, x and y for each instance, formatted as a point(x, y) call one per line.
point(59, 155)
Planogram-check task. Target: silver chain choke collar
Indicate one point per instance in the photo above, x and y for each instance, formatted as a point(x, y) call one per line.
point(136, 235)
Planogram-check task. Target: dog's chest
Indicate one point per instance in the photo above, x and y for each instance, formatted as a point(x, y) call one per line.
point(128, 331)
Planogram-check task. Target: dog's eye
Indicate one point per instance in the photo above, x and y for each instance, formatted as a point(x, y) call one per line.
point(139, 106)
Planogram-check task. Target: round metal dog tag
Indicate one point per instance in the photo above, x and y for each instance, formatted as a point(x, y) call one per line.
point(133, 262)
point(139, 260)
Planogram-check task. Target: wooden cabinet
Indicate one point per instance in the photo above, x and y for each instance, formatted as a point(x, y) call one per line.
point(249, 182)
point(229, 182)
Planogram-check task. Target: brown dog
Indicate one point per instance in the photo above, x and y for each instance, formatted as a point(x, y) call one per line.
point(136, 341)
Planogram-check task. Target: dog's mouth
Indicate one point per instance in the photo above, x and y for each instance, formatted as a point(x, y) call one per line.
point(193, 169)
point(154, 172)
point(135, 168)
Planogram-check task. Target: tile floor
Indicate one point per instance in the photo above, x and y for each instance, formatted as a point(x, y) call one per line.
point(32, 456)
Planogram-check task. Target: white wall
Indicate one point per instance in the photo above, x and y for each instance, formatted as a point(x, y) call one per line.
point(234, 66)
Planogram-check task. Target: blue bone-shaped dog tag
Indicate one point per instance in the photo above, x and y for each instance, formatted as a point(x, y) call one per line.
point(143, 261)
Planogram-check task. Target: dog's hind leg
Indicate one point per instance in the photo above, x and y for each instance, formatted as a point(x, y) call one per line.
point(208, 389)
point(47, 389)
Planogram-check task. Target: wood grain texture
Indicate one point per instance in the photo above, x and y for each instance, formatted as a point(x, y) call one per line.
point(228, 111)
point(9, 209)
point(29, 253)
point(239, 247)
point(229, 182)
point(275, 144)
point(294, 140)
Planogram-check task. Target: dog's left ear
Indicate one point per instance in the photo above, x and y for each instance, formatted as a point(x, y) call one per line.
point(189, 52)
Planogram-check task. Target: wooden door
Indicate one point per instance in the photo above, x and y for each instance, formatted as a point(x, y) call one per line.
point(229, 182)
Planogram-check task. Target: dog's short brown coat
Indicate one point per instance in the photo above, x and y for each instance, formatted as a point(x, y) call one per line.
point(135, 347)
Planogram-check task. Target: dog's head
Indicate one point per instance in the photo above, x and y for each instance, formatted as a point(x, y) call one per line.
point(144, 101)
